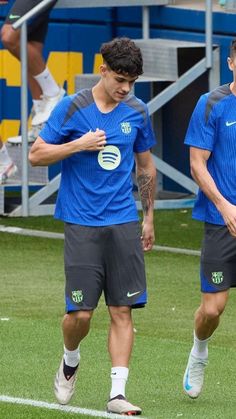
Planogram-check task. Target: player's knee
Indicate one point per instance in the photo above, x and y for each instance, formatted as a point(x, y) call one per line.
point(83, 317)
point(9, 38)
point(75, 317)
point(213, 312)
point(120, 315)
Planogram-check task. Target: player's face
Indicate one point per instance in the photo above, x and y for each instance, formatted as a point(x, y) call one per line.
point(117, 86)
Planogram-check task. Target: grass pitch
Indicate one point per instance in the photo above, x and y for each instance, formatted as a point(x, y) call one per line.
point(32, 298)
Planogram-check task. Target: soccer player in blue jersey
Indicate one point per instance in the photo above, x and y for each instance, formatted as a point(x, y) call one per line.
point(97, 133)
point(211, 137)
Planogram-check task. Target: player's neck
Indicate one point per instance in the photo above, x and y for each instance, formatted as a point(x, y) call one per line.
point(232, 87)
point(104, 102)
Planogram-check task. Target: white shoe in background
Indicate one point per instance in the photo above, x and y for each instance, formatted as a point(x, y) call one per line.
point(7, 171)
point(48, 104)
point(32, 135)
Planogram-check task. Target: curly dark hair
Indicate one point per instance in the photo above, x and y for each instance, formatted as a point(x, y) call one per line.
point(123, 56)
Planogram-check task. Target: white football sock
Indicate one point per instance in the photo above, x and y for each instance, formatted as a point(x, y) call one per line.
point(47, 83)
point(119, 376)
point(200, 347)
point(71, 358)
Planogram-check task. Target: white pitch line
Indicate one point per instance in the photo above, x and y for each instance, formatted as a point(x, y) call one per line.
point(54, 406)
point(51, 235)
point(29, 232)
point(188, 252)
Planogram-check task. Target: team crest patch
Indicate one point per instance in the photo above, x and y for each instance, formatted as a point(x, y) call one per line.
point(217, 277)
point(77, 296)
point(125, 127)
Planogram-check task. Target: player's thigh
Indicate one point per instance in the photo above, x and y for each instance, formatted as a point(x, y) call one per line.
point(83, 267)
point(218, 259)
point(125, 270)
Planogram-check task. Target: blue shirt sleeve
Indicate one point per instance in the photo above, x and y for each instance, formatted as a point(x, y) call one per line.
point(56, 130)
point(145, 138)
point(201, 129)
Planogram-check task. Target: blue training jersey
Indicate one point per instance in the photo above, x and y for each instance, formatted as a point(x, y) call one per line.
point(96, 187)
point(213, 127)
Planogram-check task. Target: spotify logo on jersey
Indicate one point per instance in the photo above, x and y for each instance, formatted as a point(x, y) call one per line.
point(109, 158)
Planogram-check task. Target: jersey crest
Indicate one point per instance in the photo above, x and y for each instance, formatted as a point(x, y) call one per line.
point(126, 127)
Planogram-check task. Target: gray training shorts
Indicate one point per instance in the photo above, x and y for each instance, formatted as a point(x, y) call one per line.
point(218, 259)
point(37, 26)
point(104, 259)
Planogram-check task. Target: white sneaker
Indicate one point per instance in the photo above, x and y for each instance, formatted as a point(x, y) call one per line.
point(48, 104)
point(7, 171)
point(121, 406)
point(32, 135)
point(194, 376)
point(63, 388)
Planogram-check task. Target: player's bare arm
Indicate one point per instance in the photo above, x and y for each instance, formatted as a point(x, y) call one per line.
point(146, 179)
point(200, 173)
point(44, 154)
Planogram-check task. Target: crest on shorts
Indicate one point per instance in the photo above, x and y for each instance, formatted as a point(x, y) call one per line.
point(77, 296)
point(217, 277)
point(125, 127)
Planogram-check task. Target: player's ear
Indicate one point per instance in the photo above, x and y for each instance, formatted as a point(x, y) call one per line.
point(230, 63)
point(103, 70)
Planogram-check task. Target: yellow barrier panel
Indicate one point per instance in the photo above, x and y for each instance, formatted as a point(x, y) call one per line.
point(9, 128)
point(63, 65)
point(97, 63)
point(75, 67)
point(10, 69)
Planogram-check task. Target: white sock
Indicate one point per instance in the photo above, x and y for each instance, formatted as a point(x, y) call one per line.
point(47, 83)
point(4, 156)
point(200, 347)
point(37, 105)
point(119, 376)
point(71, 358)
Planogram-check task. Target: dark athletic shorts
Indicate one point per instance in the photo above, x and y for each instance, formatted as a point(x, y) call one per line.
point(38, 26)
point(218, 259)
point(104, 259)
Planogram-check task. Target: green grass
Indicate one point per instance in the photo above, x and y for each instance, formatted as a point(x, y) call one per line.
point(32, 296)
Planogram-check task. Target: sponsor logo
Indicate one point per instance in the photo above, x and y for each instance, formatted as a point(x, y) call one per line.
point(14, 16)
point(109, 158)
point(131, 294)
point(217, 277)
point(77, 296)
point(228, 124)
point(125, 127)
point(186, 383)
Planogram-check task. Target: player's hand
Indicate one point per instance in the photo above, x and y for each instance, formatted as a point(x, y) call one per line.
point(92, 140)
point(228, 212)
point(148, 236)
